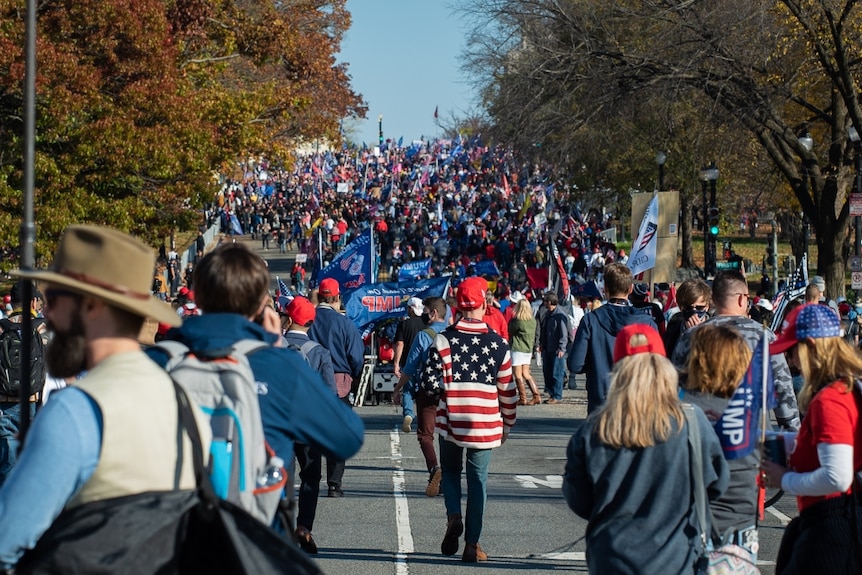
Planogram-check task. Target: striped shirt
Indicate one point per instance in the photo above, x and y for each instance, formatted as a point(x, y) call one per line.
point(473, 366)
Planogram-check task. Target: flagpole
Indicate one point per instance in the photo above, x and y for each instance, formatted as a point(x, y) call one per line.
point(763, 384)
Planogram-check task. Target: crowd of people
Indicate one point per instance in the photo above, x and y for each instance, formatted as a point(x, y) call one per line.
point(667, 374)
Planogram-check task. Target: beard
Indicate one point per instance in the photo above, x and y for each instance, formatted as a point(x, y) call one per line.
point(66, 354)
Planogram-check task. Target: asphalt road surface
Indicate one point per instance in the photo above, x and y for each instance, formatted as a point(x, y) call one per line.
point(386, 524)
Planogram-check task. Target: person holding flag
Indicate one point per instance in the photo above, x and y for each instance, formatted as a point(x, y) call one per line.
point(731, 300)
point(726, 383)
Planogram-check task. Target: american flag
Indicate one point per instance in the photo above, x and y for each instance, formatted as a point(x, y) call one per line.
point(283, 290)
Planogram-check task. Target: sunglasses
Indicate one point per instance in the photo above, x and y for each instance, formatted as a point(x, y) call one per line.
point(700, 307)
point(51, 295)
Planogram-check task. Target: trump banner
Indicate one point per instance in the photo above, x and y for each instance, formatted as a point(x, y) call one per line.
point(414, 270)
point(372, 304)
point(352, 266)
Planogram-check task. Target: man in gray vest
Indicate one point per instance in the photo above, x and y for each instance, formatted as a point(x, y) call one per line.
point(93, 440)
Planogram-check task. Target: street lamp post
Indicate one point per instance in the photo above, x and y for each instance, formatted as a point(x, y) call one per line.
point(380, 129)
point(807, 142)
point(709, 174)
point(660, 159)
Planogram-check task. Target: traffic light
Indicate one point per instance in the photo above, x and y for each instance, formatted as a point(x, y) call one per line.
point(770, 255)
point(712, 222)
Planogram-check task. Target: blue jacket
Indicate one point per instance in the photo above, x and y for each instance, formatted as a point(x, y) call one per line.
point(295, 404)
point(593, 351)
point(336, 333)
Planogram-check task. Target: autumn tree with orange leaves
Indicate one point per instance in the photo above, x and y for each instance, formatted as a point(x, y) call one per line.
point(139, 102)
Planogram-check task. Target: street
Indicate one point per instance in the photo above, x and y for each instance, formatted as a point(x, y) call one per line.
point(386, 524)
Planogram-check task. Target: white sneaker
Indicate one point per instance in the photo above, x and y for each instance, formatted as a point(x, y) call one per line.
point(406, 424)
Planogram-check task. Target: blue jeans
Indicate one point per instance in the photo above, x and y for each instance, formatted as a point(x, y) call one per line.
point(554, 370)
point(10, 420)
point(407, 403)
point(478, 461)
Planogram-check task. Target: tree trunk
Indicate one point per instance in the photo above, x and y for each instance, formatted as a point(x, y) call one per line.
point(831, 232)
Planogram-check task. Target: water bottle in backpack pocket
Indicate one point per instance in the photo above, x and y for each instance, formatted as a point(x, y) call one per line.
point(222, 384)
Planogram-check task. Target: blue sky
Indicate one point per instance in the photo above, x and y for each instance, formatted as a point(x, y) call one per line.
point(403, 57)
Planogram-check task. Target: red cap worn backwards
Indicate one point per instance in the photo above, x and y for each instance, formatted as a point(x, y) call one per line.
point(637, 338)
point(300, 310)
point(471, 293)
point(328, 287)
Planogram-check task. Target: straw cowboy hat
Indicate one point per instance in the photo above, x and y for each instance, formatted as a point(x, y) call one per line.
point(109, 265)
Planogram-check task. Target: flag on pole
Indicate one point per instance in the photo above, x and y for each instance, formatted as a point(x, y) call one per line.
point(283, 290)
point(795, 288)
point(436, 110)
point(643, 253)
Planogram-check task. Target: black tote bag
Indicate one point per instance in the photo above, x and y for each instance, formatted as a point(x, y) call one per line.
point(165, 533)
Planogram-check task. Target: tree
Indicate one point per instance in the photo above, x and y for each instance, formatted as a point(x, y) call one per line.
point(774, 68)
point(140, 101)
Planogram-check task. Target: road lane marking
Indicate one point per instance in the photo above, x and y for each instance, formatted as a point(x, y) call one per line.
point(531, 482)
point(581, 556)
point(785, 520)
point(402, 512)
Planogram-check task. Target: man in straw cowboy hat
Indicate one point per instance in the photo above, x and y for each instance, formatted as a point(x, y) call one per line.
point(115, 432)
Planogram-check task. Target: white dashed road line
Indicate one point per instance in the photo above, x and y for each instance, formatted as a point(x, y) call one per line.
point(402, 512)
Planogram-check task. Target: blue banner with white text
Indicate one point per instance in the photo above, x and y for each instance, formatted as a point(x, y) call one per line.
point(415, 269)
point(351, 267)
point(371, 304)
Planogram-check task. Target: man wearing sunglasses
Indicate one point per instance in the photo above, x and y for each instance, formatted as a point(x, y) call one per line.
point(732, 301)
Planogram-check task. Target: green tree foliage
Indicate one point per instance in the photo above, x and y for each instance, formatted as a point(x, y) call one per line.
point(563, 71)
point(139, 102)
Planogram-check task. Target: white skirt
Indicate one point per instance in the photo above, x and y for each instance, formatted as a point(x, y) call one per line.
point(521, 358)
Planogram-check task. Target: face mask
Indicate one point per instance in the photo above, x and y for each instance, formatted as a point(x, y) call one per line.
point(426, 318)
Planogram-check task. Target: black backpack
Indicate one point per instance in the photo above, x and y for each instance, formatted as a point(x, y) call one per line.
point(10, 358)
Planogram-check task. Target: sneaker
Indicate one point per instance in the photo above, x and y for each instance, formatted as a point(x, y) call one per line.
point(454, 529)
point(305, 540)
point(433, 489)
point(473, 553)
point(406, 424)
point(335, 491)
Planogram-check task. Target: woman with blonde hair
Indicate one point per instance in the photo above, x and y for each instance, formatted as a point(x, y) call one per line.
point(718, 361)
point(825, 536)
point(522, 334)
point(628, 469)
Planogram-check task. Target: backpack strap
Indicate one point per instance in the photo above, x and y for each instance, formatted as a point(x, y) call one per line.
point(308, 346)
point(172, 348)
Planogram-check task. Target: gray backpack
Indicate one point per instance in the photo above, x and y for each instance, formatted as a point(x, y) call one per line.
point(222, 384)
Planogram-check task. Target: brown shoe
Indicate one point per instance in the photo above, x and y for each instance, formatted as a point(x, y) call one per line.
point(536, 400)
point(473, 553)
point(552, 401)
point(433, 489)
point(454, 529)
point(305, 540)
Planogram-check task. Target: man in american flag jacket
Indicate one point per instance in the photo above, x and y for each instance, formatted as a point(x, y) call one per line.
point(476, 410)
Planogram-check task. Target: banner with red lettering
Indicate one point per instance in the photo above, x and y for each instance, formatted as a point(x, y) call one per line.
point(370, 304)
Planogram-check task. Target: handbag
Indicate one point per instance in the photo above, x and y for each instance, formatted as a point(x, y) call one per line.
point(728, 559)
point(166, 532)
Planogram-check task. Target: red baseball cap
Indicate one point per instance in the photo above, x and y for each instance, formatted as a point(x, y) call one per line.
point(811, 320)
point(471, 293)
point(184, 291)
point(328, 287)
point(300, 310)
point(627, 342)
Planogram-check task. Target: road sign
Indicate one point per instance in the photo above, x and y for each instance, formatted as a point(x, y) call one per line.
point(734, 265)
point(856, 204)
point(856, 280)
point(855, 263)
